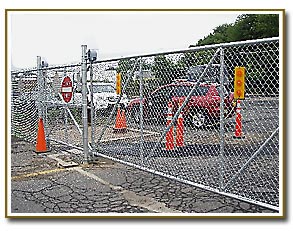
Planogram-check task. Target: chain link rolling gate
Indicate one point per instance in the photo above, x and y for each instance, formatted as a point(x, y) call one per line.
point(198, 79)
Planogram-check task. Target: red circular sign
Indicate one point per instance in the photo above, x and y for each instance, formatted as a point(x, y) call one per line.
point(66, 89)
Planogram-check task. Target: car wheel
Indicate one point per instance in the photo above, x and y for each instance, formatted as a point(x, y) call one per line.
point(198, 118)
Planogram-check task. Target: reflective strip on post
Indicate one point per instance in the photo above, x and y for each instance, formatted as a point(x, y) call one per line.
point(169, 135)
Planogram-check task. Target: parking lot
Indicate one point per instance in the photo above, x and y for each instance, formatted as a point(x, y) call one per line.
point(40, 185)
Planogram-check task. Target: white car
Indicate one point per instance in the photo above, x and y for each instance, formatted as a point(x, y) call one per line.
point(104, 96)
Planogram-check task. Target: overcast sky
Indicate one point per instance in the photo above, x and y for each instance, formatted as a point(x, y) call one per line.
point(58, 36)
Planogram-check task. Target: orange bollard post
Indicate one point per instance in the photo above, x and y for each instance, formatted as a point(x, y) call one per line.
point(180, 129)
point(123, 120)
point(41, 145)
point(169, 135)
point(238, 128)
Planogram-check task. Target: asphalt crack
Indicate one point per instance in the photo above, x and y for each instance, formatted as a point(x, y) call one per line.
point(130, 196)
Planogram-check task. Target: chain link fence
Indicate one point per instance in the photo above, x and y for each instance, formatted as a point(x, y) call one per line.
point(24, 113)
point(37, 94)
point(176, 115)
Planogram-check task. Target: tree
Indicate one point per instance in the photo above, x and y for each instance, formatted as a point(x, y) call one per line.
point(220, 34)
point(261, 62)
point(162, 69)
point(246, 27)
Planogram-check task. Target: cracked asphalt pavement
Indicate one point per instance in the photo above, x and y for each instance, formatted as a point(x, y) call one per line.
point(40, 185)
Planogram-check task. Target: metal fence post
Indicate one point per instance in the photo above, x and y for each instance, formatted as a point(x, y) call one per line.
point(84, 104)
point(141, 110)
point(222, 134)
point(40, 87)
point(93, 110)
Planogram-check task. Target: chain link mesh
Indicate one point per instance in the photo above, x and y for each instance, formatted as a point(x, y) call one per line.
point(260, 122)
point(24, 112)
point(31, 101)
point(176, 115)
point(64, 120)
point(247, 167)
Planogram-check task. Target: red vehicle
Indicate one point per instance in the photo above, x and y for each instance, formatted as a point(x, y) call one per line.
point(202, 108)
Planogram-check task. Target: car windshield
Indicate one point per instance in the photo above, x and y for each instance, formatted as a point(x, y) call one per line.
point(103, 88)
point(185, 90)
point(212, 73)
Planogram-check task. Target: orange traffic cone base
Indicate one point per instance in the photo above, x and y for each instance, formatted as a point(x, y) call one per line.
point(43, 151)
point(119, 130)
point(239, 137)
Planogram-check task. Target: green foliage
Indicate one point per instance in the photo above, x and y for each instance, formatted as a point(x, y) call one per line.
point(220, 34)
point(125, 65)
point(246, 27)
point(195, 58)
point(161, 67)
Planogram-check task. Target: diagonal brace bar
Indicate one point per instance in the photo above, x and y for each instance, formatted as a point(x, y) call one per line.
point(250, 159)
point(117, 103)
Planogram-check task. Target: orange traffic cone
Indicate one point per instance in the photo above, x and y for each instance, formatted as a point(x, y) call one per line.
point(123, 120)
point(41, 145)
point(238, 128)
point(120, 124)
point(180, 129)
point(169, 135)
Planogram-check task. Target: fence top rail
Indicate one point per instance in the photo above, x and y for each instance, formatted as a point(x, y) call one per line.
point(191, 49)
point(195, 48)
point(45, 68)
